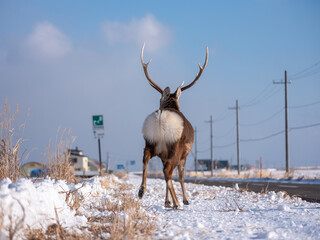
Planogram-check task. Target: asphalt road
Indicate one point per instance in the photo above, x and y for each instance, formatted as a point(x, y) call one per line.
point(308, 192)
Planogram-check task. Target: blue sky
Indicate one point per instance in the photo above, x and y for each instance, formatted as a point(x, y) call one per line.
point(64, 61)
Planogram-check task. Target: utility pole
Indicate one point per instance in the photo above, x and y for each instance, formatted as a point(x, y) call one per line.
point(286, 118)
point(195, 151)
point(107, 162)
point(237, 124)
point(211, 144)
point(99, 146)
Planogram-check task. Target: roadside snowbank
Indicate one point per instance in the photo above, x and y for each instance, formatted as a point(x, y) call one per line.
point(214, 212)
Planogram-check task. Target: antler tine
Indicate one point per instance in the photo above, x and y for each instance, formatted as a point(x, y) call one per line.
point(200, 71)
point(145, 69)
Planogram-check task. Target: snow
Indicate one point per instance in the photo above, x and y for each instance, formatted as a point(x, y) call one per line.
point(295, 173)
point(303, 175)
point(213, 213)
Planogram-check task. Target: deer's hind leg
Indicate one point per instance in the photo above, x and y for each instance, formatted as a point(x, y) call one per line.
point(181, 168)
point(167, 202)
point(146, 158)
point(168, 170)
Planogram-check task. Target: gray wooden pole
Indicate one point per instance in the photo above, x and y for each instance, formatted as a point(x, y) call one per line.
point(286, 121)
point(238, 150)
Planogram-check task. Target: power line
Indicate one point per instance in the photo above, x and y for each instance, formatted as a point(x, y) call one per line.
point(259, 95)
point(305, 105)
point(296, 75)
point(278, 133)
point(202, 151)
point(205, 140)
point(264, 97)
point(226, 134)
point(225, 146)
point(305, 126)
point(262, 138)
point(223, 117)
point(263, 121)
point(315, 71)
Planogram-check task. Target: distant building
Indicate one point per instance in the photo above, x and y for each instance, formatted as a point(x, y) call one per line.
point(205, 164)
point(243, 167)
point(30, 167)
point(78, 160)
point(83, 166)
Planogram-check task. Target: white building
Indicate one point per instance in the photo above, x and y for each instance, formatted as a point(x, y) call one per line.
point(78, 160)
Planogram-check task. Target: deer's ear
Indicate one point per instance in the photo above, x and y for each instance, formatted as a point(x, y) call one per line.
point(178, 93)
point(166, 92)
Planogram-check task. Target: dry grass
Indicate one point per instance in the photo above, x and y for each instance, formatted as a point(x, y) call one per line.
point(57, 157)
point(73, 198)
point(121, 175)
point(1, 220)
point(55, 231)
point(14, 223)
point(10, 145)
point(122, 216)
point(127, 218)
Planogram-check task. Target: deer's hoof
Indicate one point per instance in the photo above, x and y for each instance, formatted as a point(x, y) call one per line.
point(167, 204)
point(186, 202)
point(175, 207)
point(141, 192)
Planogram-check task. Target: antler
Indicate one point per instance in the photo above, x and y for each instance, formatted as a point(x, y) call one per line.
point(199, 74)
point(145, 69)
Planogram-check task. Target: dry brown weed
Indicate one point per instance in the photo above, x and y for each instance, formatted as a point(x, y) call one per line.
point(122, 175)
point(133, 222)
point(10, 145)
point(55, 231)
point(73, 198)
point(127, 220)
point(58, 157)
point(122, 217)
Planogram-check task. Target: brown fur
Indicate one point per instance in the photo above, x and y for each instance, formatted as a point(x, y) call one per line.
point(175, 156)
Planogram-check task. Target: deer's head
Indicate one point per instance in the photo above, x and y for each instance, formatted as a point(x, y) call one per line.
point(171, 100)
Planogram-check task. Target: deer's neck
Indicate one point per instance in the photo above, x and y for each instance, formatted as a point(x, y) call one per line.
point(170, 104)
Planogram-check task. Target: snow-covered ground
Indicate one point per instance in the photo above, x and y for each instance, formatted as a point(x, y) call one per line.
point(213, 213)
point(295, 174)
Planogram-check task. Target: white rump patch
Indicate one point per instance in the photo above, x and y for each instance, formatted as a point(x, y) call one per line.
point(162, 127)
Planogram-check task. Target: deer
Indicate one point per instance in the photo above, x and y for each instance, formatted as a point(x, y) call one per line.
point(168, 135)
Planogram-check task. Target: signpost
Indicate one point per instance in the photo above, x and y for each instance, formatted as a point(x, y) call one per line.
point(98, 132)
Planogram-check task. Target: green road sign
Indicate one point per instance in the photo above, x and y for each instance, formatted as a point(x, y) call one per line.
point(97, 121)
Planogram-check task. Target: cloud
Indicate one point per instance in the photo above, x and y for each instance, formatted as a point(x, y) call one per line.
point(47, 41)
point(137, 31)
